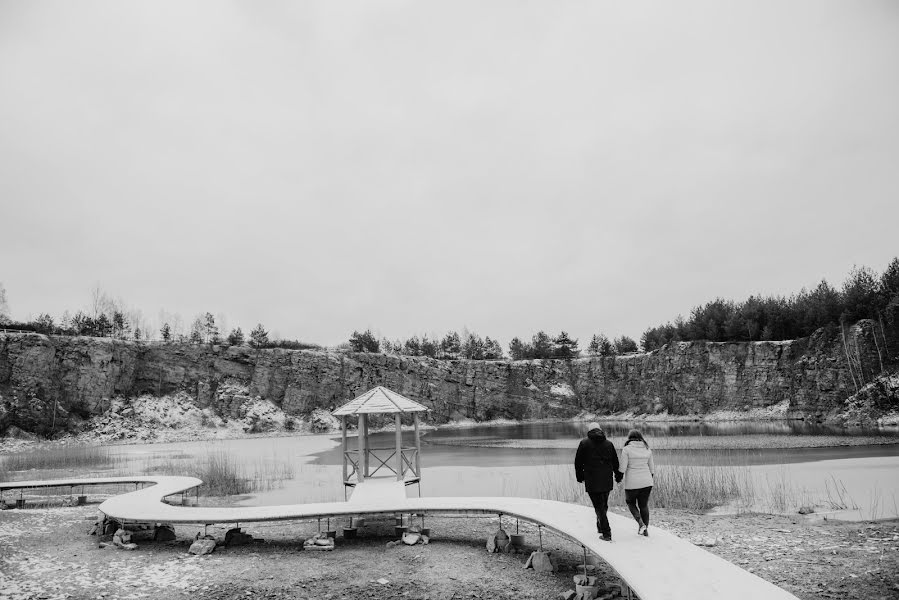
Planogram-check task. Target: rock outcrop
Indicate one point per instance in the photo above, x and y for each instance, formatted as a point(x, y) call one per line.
point(54, 383)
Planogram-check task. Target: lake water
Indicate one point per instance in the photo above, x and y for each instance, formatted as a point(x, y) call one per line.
point(534, 459)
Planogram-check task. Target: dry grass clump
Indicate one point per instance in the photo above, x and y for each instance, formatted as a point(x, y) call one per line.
point(223, 475)
point(702, 488)
point(675, 486)
point(58, 458)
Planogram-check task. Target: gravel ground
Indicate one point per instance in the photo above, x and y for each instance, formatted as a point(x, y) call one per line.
point(46, 553)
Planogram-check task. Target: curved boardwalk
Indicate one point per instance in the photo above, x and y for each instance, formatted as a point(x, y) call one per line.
point(661, 567)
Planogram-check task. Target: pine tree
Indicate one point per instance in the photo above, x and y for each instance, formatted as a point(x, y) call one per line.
point(625, 345)
point(565, 347)
point(44, 324)
point(235, 338)
point(542, 345)
point(118, 324)
point(601, 345)
point(412, 346)
point(473, 347)
point(166, 333)
point(429, 347)
point(102, 326)
point(196, 331)
point(259, 336)
point(451, 345)
point(517, 349)
point(210, 331)
point(492, 349)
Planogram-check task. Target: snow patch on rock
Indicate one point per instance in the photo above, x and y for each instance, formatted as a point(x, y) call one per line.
point(561, 389)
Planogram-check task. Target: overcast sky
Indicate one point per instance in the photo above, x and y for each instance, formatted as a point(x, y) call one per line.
point(416, 167)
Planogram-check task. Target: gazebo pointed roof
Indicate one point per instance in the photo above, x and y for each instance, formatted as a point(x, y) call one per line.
point(379, 400)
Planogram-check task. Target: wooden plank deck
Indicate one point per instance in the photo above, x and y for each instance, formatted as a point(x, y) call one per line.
point(660, 567)
point(374, 491)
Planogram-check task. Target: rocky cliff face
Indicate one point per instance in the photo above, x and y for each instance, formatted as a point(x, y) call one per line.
point(56, 382)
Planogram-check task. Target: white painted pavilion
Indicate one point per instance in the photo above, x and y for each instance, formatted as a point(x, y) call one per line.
point(365, 461)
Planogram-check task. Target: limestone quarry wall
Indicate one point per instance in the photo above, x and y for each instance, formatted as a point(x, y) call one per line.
point(74, 378)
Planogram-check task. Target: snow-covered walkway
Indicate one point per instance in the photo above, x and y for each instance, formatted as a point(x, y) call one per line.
point(660, 567)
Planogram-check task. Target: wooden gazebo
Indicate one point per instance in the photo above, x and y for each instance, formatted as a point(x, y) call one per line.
point(357, 463)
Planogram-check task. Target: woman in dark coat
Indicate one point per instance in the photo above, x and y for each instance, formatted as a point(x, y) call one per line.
point(596, 465)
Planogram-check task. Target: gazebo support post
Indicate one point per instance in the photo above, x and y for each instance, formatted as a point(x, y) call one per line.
point(360, 471)
point(399, 447)
point(367, 453)
point(343, 447)
point(417, 446)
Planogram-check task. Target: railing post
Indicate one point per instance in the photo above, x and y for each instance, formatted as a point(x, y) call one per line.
point(417, 446)
point(399, 447)
point(360, 472)
point(343, 447)
point(367, 451)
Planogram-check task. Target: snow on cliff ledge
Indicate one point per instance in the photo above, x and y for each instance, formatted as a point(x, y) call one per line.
point(561, 389)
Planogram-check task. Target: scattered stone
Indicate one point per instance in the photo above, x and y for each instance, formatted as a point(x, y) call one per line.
point(144, 532)
point(164, 533)
point(383, 581)
point(498, 542)
point(586, 592)
point(806, 510)
point(708, 542)
point(109, 526)
point(567, 595)
point(542, 562)
point(410, 539)
point(319, 542)
point(202, 546)
point(121, 537)
point(236, 537)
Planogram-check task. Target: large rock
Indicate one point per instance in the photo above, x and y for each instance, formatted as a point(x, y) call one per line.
point(164, 533)
point(542, 562)
point(498, 542)
point(236, 537)
point(202, 546)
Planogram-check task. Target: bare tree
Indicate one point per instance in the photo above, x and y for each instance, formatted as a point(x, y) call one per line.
point(4, 305)
point(97, 300)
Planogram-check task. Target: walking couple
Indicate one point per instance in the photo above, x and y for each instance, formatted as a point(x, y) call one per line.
point(596, 464)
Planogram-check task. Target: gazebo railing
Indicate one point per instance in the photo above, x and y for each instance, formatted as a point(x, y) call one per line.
point(350, 459)
point(409, 454)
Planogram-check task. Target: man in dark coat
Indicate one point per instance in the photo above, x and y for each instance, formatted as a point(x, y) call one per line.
point(596, 465)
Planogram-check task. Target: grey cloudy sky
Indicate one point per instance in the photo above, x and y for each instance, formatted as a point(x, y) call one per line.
point(416, 167)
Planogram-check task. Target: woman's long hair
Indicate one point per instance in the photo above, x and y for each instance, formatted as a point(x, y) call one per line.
point(634, 435)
